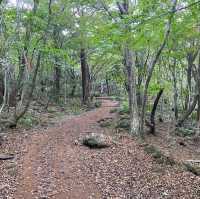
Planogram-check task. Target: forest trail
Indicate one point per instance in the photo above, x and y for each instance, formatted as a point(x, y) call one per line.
point(50, 165)
point(53, 165)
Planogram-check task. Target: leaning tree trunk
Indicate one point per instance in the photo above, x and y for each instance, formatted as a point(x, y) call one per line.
point(152, 66)
point(85, 77)
point(188, 112)
point(195, 73)
point(151, 124)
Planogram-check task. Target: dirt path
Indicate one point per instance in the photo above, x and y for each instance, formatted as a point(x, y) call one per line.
point(51, 166)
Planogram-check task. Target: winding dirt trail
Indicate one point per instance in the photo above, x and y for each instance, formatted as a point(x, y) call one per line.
point(52, 166)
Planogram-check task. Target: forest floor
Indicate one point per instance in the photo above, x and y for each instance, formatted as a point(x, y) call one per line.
point(49, 164)
point(181, 149)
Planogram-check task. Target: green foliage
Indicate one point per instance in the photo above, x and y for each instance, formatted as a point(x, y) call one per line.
point(160, 157)
point(97, 103)
point(96, 94)
point(123, 124)
point(28, 121)
point(183, 132)
point(124, 109)
point(115, 110)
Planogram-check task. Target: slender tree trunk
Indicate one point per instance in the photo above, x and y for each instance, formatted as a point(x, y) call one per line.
point(5, 90)
point(130, 68)
point(23, 110)
point(189, 111)
point(57, 74)
point(175, 90)
point(139, 82)
point(151, 124)
point(1, 88)
point(20, 111)
point(85, 77)
point(189, 80)
point(152, 65)
point(108, 87)
point(22, 66)
point(198, 79)
point(132, 96)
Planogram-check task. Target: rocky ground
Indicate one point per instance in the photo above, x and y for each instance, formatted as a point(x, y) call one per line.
point(51, 163)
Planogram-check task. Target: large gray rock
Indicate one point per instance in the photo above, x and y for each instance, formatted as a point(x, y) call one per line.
point(193, 166)
point(96, 140)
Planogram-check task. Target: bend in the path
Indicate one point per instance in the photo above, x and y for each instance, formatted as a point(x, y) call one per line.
point(51, 166)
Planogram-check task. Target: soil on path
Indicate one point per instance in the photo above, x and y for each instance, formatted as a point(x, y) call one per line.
point(51, 166)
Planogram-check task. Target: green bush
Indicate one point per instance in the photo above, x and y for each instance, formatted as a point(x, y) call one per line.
point(117, 98)
point(96, 94)
point(158, 155)
point(97, 104)
point(183, 132)
point(123, 124)
point(114, 110)
point(105, 124)
point(124, 109)
point(28, 121)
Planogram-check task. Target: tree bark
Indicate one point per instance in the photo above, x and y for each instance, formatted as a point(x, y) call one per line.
point(85, 77)
point(130, 68)
point(188, 113)
point(151, 124)
point(57, 74)
point(190, 59)
point(175, 90)
point(132, 95)
point(108, 87)
point(198, 79)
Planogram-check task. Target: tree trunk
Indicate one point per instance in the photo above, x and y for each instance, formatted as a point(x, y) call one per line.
point(108, 87)
point(1, 87)
point(198, 79)
point(57, 74)
point(175, 90)
point(22, 66)
point(152, 65)
point(189, 111)
point(21, 110)
point(139, 82)
point(130, 68)
point(132, 96)
point(85, 77)
point(30, 90)
point(151, 124)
